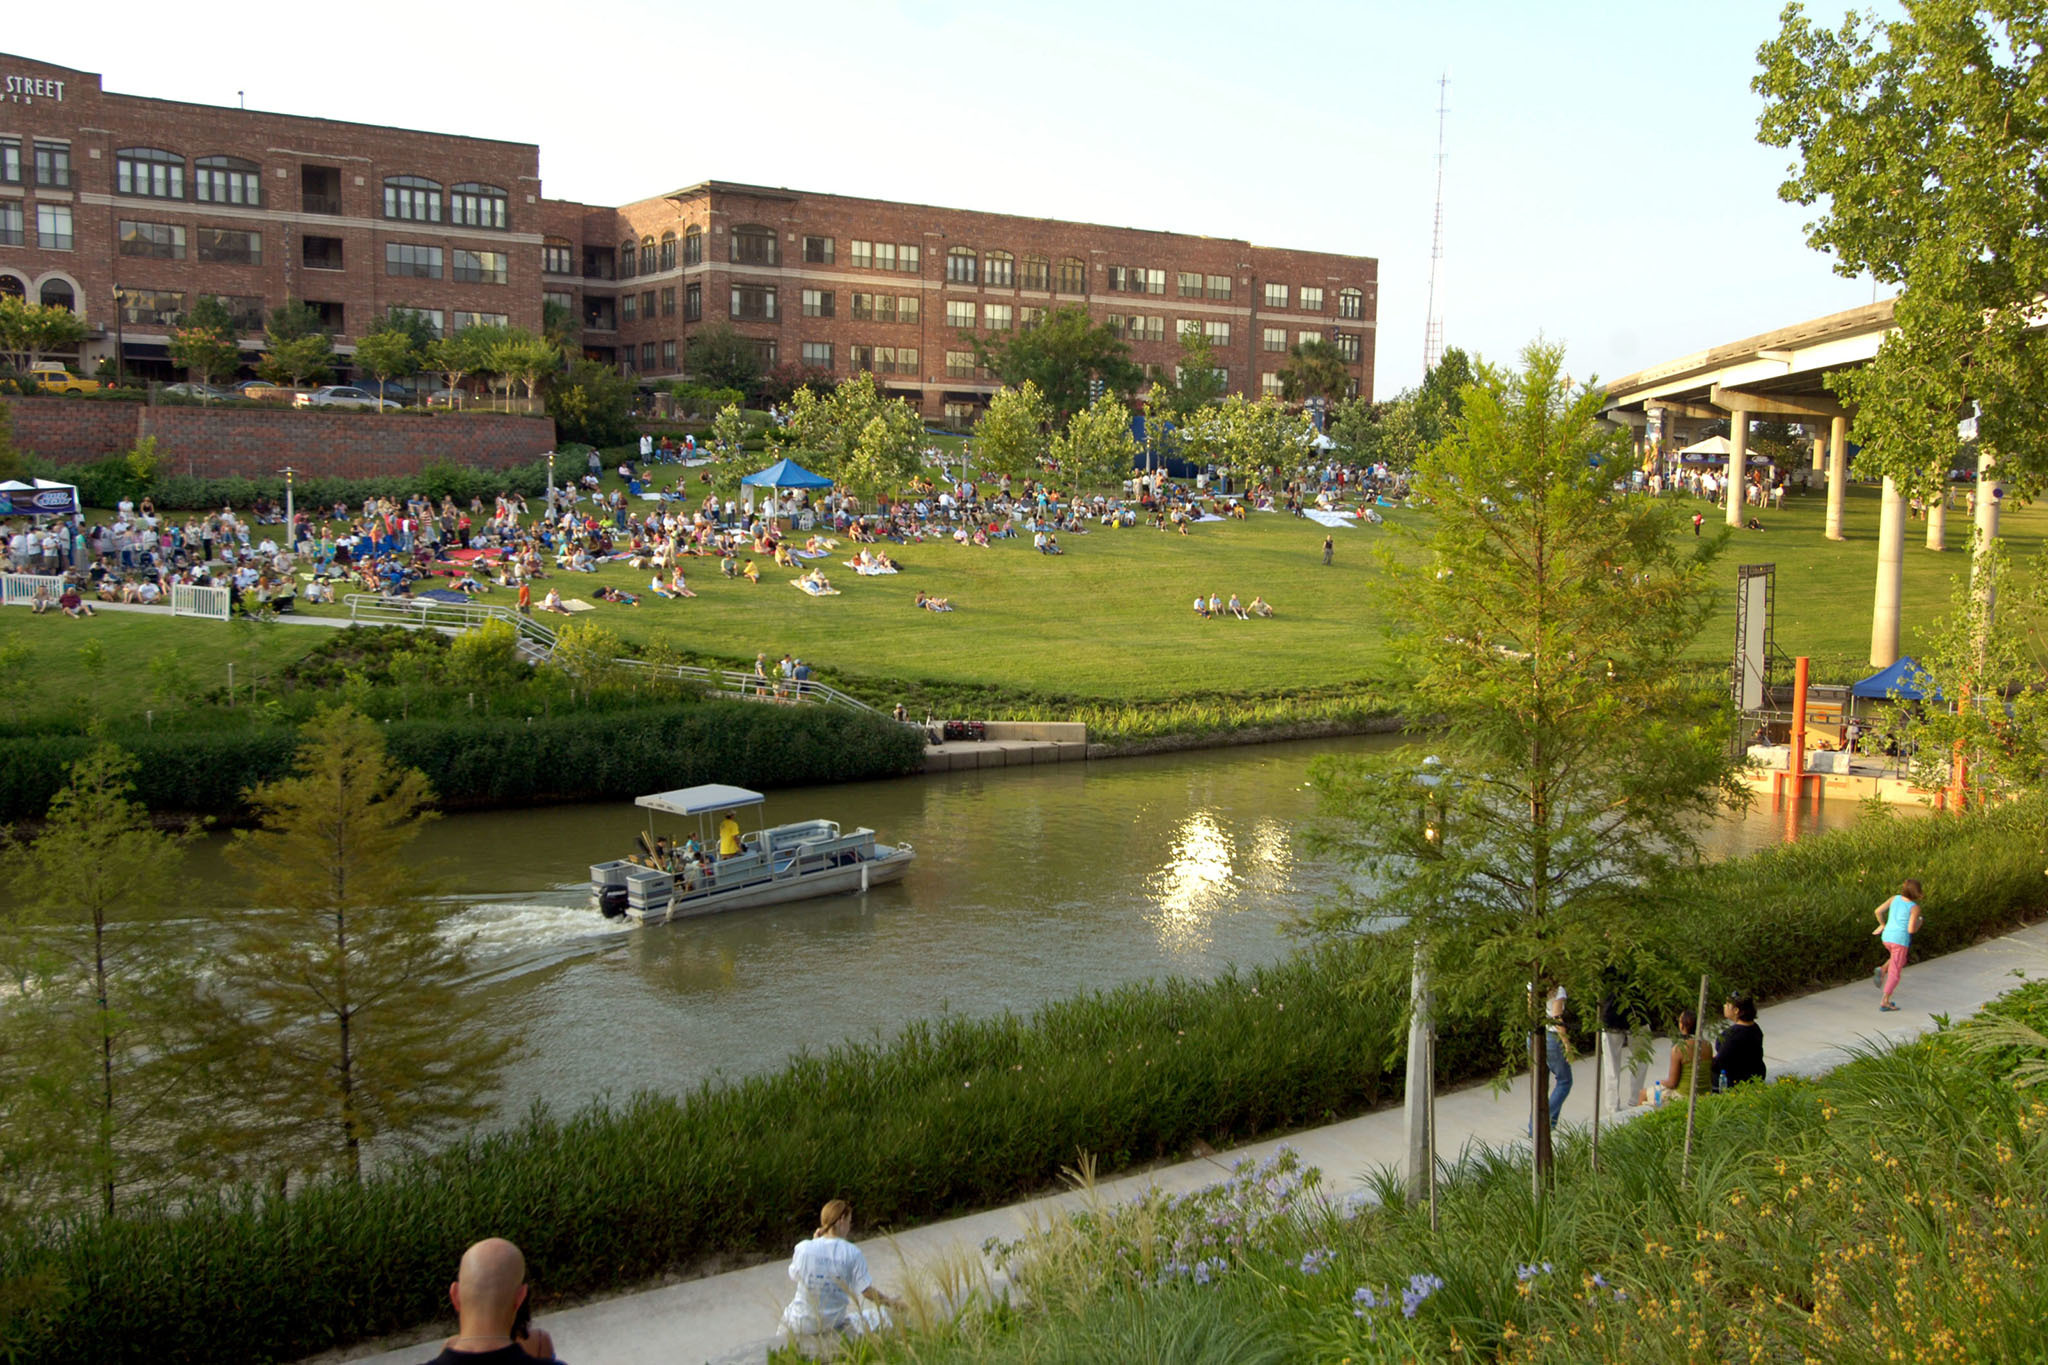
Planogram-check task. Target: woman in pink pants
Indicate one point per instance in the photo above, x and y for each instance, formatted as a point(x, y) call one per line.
point(1898, 919)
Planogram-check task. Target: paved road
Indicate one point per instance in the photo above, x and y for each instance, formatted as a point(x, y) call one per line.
point(731, 1318)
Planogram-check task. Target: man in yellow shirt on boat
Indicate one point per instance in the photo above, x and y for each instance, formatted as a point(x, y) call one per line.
point(728, 837)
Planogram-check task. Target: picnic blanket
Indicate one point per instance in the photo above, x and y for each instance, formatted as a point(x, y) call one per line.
point(577, 604)
point(1209, 516)
point(1337, 520)
point(801, 586)
point(467, 555)
point(443, 595)
point(808, 554)
point(867, 570)
point(933, 607)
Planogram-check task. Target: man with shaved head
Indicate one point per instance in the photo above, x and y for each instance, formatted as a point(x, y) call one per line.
point(487, 1294)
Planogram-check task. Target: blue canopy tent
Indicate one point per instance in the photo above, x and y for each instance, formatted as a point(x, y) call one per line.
point(1904, 679)
point(782, 474)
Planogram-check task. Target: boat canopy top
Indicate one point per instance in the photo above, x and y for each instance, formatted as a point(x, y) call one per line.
point(700, 800)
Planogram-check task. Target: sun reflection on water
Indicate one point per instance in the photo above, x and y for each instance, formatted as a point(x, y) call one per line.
point(1196, 884)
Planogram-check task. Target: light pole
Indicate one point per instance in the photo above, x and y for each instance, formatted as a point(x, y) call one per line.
point(1419, 1097)
point(551, 483)
point(291, 522)
point(120, 336)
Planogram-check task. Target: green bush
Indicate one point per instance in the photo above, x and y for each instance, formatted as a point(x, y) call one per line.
point(951, 1114)
point(103, 483)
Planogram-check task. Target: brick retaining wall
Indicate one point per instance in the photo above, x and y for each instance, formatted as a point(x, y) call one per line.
point(213, 442)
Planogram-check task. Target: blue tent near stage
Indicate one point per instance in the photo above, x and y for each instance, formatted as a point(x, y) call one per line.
point(1904, 679)
point(786, 474)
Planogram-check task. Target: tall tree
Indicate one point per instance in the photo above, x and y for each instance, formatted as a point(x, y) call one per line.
point(295, 349)
point(456, 357)
point(720, 357)
point(95, 1090)
point(526, 358)
point(1013, 436)
point(365, 1029)
point(1096, 447)
point(389, 352)
point(1540, 621)
point(1258, 436)
point(858, 435)
point(1196, 383)
point(1923, 137)
point(29, 331)
point(558, 324)
point(1314, 369)
point(205, 345)
point(592, 403)
point(1065, 356)
point(729, 431)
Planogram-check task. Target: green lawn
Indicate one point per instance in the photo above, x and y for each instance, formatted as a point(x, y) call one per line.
point(149, 661)
point(1109, 619)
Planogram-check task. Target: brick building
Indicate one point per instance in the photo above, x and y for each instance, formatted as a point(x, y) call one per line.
point(156, 202)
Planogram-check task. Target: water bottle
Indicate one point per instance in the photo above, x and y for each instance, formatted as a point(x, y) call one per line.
point(1721, 1083)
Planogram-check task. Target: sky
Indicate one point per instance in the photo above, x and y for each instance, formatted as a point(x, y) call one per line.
point(1603, 185)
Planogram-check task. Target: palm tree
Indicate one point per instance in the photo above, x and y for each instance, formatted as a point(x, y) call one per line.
point(1314, 369)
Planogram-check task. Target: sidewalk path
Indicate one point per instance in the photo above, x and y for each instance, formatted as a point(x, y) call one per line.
point(731, 1318)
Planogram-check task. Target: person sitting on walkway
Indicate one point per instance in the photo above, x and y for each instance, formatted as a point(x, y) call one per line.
point(1740, 1056)
point(1687, 1052)
point(489, 1296)
point(832, 1279)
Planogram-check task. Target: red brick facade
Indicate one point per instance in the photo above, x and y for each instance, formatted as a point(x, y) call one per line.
point(213, 442)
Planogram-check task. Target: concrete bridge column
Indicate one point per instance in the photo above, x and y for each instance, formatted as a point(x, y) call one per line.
point(1820, 453)
point(1838, 473)
point(1891, 561)
point(1738, 463)
point(1937, 518)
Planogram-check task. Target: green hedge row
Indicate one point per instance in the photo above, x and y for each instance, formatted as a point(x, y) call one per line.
point(499, 761)
point(949, 1115)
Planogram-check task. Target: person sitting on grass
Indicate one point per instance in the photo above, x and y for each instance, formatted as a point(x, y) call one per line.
point(1237, 608)
point(751, 572)
point(553, 602)
point(624, 599)
point(933, 603)
point(729, 566)
point(676, 586)
point(43, 601)
point(659, 588)
point(1260, 607)
point(814, 582)
point(1215, 605)
point(1201, 606)
point(73, 604)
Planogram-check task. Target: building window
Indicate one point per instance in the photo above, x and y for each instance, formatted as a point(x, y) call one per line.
point(321, 253)
point(1304, 338)
point(765, 350)
point(1114, 324)
point(628, 253)
point(693, 302)
point(560, 298)
point(601, 312)
point(1217, 332)
point(668, 356)
point(10, 161)
point(413, 199)
point(434, 318)
point(57, 294)
point(960, 314)
point(465, 321)
point(1276, 296)
point(1351, 304)
point(10, 222)
point(629, 308)
point(1311, 298)
point(53, 227)
point(959, 364)
point(1273, 339)
point(53, 165)
point(998, 317)
point(1034, 273)
point(1269, 385)
point(864, 307)
point(1181, 373)
point(152, 307)
point(962, 265)
point(818, 354)
point(477, 206)
point(557, 257)
point(693, 245)
point(1219, 287)
point(909, 259)
point(885, 255)
point(1073, 276)
point(1188, 284)
point(647, 256)
point(227, 180)
point(229, 246)
point(668, 302)
point(999, 270)
point(149, 172)
point(753, 244)
point(860, 255)
point(818, 251)
point(959, 416)
point(908, 308)
point(1028, 318)
point(419, 262)
point(245, 311)
point(480, 267)
point(668, 251)
point(151, 241)
point(906, 360)
point(647, 304)
point(1136, 279)
point(754, 302)
point(817, 303)
point(646, 355)
point(1349, 347)
point(1148, 329)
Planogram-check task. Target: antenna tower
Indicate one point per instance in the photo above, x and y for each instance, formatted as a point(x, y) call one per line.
point(1433, 328)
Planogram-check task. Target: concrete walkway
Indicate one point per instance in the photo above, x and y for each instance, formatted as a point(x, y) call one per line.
point(731, 1318)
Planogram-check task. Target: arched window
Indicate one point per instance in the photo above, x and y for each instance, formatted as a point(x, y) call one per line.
point(1073, 276)
point(1350, 303)
point(478, 206)
point(693, 245)
point(668, 251)
point(13, 286)
point(647, 255)
point(753, 244)
point(227, 180)
point(1035, 273)
point(58, 294)
point(962, 265)
point(412, 198)
point(999, 268)
point(628, 253)
point(149, 171)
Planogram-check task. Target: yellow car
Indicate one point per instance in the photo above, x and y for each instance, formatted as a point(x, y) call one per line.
point(261, 388)
point(51, 377)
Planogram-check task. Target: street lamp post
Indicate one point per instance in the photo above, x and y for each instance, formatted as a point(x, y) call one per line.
point(1419, 1099)
point(291, 521)
point(551, 483)
point(120, 337)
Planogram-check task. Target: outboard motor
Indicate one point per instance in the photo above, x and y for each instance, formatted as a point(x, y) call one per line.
point(612, 901)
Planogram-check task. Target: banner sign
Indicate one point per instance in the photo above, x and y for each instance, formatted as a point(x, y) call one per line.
point(38, 502)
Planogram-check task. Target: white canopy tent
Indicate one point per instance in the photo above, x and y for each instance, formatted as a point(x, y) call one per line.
point(38, 498)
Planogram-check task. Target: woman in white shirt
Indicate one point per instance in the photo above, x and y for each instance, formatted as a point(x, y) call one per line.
point(832, 1280)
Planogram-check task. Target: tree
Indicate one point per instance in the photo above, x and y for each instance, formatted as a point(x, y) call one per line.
point(1314, 369)
point(389, 353)
point(1258, 435)
point(1097, 447)
point(526, 358)
point(1923, 135)
point(29, 331)
point(1064, 356)
point(363, 1026)
point(1396, 432)
point(457, 356)
point(295, 349)
point(1012, 436)
point(888, 450)
point(558, 324)
point(857, 435)
point(93, 1094)
point(1196, 382)
point(1540, 621)
point(729, 431)
point(593, 404)
point(205, 346)
point(722, 358)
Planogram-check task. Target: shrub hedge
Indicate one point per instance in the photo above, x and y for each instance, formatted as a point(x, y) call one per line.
point(499, 761)
point(947, 1116)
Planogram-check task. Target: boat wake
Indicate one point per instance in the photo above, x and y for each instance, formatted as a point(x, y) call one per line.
point(511, 935)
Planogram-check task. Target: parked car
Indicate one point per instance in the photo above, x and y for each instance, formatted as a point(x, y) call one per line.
point(260, 388)
point(51, 377)
point(205, 393)
point(345, 396)
point(447, 398)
